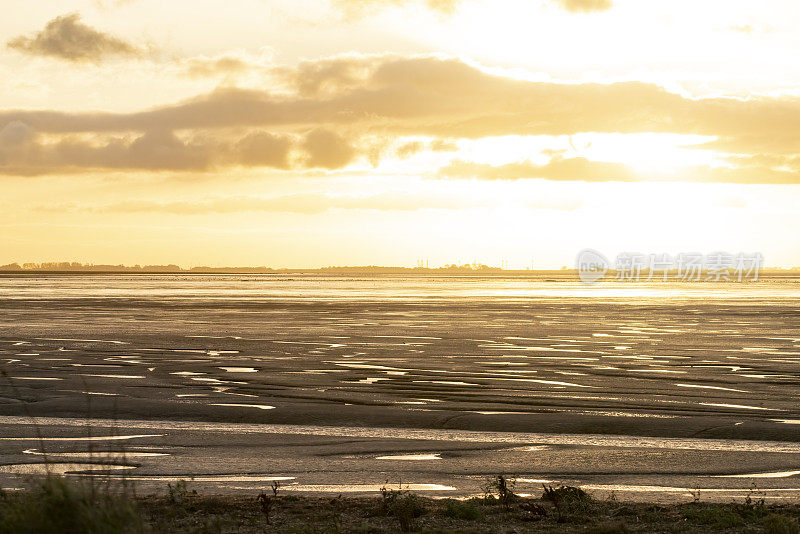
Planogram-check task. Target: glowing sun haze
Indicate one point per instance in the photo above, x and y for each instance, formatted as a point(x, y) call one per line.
point(352, 132)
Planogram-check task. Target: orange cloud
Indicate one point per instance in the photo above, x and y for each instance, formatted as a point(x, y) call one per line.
point(66, 37)
point(391, 96)
point(446, 97)
point(22, 152)
point(327, 149)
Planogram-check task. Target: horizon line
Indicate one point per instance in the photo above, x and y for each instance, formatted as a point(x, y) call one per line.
point(477, 268)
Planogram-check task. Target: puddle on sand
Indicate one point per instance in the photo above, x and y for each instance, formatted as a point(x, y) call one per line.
point(410, 457)
point(34, 378)
point(666, 371)
point(83, 340)
point(370, 380)
point(82, 438)
point(472, 436)
point(445, 382)
point(216, 381)
point(740, 406)
point(209, 478)
point(499, 413)
point(239, 369)
point(670, 489)
point(545, 382)
point(113, 456)
point(698, 386)
point(124, 377)
point(259, 406)
point(363, 488)
point(773, 474)
point(640, 488)
point(55, 468)
point(357, 365)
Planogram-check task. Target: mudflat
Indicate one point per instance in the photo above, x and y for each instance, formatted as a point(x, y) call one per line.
point(334, 384)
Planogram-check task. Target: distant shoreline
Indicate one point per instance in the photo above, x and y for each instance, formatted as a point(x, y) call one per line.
point(323, 271)
point(350, 271)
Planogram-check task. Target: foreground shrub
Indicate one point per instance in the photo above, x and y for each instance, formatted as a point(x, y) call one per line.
point(56, 505)
point(781, 524)
point(504, 487)
point(717, 515)
point(570, 502)
point(406, 509)
point(468, 510)
point(403, 505)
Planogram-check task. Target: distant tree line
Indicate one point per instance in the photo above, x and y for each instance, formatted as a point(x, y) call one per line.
point(66, 266)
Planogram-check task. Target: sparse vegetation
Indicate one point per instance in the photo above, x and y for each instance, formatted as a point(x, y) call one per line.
point(405, 506)
point(266, 501)
point(504, 487)
point(55, 504)
point(179, 492)
point(715, 515)
point(568, 501)
point(470, 510)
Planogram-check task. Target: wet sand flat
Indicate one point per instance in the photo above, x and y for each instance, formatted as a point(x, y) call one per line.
point(634, 388)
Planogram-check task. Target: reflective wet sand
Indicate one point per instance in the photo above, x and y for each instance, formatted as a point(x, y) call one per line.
point(631, 386)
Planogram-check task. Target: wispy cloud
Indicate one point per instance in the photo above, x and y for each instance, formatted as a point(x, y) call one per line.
point(229, 65)
point(558, 168)
point(359, 7)
point(309, 203)
point(584, 6)
point(583, 170)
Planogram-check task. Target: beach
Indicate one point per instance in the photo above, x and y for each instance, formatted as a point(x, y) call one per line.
point(342, 383)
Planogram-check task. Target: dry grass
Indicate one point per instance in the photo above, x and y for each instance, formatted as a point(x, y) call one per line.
point(57, 505)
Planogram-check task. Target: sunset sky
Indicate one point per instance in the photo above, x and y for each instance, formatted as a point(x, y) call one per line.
point(351, 132)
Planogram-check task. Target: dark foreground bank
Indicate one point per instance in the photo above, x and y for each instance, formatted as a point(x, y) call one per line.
point(55, 505)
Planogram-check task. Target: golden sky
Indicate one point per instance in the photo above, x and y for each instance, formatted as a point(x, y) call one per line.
point(308, 133)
